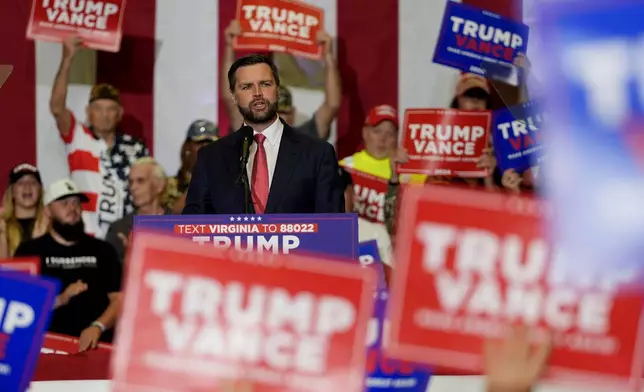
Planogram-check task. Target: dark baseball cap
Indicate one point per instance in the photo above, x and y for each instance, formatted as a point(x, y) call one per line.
point(285, 100)
point(104, 91)
point(202, 130)
point(22, 170)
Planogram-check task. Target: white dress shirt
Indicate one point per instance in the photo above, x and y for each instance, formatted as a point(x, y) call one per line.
point(272, 147)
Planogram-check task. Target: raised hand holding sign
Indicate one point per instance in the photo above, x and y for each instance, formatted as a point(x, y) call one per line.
point(481, 42)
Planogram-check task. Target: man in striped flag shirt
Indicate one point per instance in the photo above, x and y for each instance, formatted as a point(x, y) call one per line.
point(99, 157)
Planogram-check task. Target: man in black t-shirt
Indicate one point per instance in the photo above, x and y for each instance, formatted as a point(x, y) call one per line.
point(89, 269)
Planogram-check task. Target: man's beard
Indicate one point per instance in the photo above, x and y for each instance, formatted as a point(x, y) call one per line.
point(70, 232)
point(259, 118)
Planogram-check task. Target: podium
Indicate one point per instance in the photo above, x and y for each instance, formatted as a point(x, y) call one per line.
point(334, 235)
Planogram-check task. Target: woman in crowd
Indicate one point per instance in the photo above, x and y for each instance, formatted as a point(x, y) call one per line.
point(472, 93)
point(23, 217)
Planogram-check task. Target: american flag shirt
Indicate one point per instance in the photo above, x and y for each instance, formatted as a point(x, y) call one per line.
point(102, 174)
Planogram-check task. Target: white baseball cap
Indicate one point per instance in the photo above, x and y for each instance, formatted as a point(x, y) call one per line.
point(61, 189)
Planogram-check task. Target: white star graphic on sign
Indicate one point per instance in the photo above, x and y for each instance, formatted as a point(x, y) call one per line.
point(252, 218)
point(259, 218)
point(239, 219)
point(246, 219)
point(232, 218)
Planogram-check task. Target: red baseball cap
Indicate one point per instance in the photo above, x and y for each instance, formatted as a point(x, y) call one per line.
point(381, 113)
point(469, 81)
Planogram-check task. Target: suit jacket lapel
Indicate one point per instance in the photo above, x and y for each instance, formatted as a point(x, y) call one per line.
point(232, 165)
point(286, 162)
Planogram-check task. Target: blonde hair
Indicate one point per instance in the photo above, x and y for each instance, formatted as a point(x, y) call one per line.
point(169, 188)
point(13, 227)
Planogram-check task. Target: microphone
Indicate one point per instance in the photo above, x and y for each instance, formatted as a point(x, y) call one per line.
point(247, 141)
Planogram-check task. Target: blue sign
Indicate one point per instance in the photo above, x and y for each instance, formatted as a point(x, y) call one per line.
point(470, 37)
point(370, 257)
point(384, 374)
point(516, 133)
point(595, 98)
point(329, 234)
point(26, 303)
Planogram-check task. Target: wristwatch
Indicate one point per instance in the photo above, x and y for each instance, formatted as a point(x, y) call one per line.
point(98, 325)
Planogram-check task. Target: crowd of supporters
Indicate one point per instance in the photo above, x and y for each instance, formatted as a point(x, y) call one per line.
point(80, 226)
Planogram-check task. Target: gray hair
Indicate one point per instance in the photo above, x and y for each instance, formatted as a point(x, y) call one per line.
point(157, 170)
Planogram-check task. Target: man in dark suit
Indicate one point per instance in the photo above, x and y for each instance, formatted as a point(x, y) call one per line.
point(287, 172)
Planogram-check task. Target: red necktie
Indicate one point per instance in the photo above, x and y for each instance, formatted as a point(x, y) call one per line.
point(259, 187)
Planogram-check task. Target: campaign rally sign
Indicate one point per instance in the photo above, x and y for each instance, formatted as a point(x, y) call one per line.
point(470, 36)
point(595, 136)
point(329, 234)
point(195, 316)
point(384, 373)
point(445, 142)
point(98, 23)
point(370, 257)
point(24, 264)
point(25, 306)
point(280, 26)
point(516, 133)
point(369, 195)
point(477, 263)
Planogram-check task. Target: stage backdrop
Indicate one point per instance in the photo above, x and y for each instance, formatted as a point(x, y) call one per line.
point(168, 70)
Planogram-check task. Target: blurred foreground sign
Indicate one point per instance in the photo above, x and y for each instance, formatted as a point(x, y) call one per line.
point(478, 262)
point(594, 174)
point(197, 316)
point(25, 306)
point(384, 373)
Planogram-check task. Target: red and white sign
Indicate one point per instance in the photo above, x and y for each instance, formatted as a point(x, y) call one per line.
point(280, 26)
point(445, 142)
point(98, 23)
point(477, 263)
point(24, 264)
point(369, 195)
point(193, 317)
point(65, 345)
